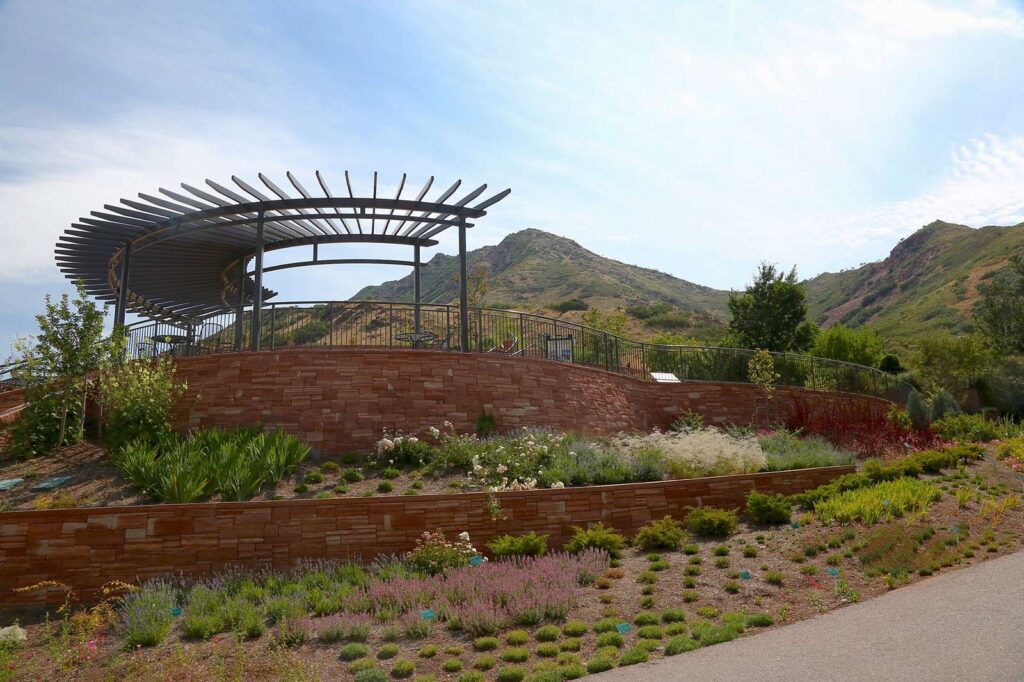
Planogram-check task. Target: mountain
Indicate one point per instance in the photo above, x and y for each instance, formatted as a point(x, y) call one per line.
point(928, 282)
point(535, 270)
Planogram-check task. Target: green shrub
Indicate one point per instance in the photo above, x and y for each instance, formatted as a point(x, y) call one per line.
point(749, 551)
point(511, 673)
point(146, 615)
point(529, 544)
point(690, 596)
point(650, 632)
point(943, 405)
point(600, 664)
point(721, 550)
point(485, 424)
point(574, 628)
point(313, 477)
point(646, 618)
point(403, 668)
point(967, 428)
point(610, 639)
point(680, 644)
point(452, 665)
point(918, 410)
point(773, 578)
point(884, 501)
point(137, 399)
point(352, 475)
point(673, 616)
point(570, 304)
point(768, 509)
point(570, 644)
point(352, 651)
point(485, 643)
point(515, 655)
point(547, 650)
point(573, 671)
point(517, 637)
point(472, 676)
point(760, 620)
point(429, 651)
point(386, 651)
point(364, 663)
point(633, 656)
point(485, 662)
point(784, 450)
point(666, 533)
point(597, 537)
point(548, 633)
point(711, 522)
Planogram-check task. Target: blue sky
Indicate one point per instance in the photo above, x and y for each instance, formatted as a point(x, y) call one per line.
point(696, 138)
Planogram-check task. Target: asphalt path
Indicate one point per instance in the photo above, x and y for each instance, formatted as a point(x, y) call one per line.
point(961, 625)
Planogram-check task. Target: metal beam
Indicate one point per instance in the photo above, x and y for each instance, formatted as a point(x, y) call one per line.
point(338, 261)
point(122, 291)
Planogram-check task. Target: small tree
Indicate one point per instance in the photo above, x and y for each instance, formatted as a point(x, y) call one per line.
point(771, 313)
point(56, 372)
point(476, 283)
point(861, 346)
point(138, 398)
point(761, 372)
point(1000, 311)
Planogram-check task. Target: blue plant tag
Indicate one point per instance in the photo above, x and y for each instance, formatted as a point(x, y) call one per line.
point(832, 571)
point(476, 561)
point(745, 575)
point(794, 525)
point(428, 614)
point(954, 530)
point(176, 611)
point(623, 628)
point(885, 502)
point(51, 483)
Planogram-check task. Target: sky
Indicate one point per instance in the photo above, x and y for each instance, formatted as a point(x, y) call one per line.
point(698, 138)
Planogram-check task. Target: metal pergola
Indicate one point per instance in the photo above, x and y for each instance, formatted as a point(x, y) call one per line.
point(179, 256)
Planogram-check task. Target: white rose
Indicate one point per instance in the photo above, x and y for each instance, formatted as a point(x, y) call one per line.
point(557, 484)
point(464, 536)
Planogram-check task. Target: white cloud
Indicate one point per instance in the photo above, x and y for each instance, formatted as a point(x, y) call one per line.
point(911, 18)
point(53, 176)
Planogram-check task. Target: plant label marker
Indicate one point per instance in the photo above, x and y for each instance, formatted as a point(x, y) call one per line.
point(476, 561)
point(794, 525)
point(51, 483)
point(428, 614)
point(176, 611)
point(623, 628)
point(885, 502)
point(10, 483)
point(834, 572)
point(745, 575)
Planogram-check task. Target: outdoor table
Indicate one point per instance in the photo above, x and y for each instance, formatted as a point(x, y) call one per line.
point(416, 338)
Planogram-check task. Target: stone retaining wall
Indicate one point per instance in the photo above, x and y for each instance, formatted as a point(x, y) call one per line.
point(87, 547)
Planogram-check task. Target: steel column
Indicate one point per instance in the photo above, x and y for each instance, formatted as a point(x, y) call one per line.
point(416, 287)
point(257, 294)
point(122, 292)
point(463, 290)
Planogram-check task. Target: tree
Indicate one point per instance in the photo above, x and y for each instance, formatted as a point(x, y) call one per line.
point(613, 323)
point(771, 313)
point(1000, 311)
point(476, 283)
point(56, 367)
point(953, 363)
point(860, 346)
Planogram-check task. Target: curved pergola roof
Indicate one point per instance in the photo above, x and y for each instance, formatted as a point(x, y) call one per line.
point(187, 251)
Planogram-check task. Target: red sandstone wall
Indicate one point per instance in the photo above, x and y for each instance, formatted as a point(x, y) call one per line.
point(87, 547)
point(341, 399)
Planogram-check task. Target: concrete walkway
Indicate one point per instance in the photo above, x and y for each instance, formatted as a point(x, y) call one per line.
point(962, 625)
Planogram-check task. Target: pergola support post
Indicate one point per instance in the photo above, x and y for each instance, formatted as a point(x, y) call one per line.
point(416, 288)
point(463, 289)
point(122, 293)
point(257, 293)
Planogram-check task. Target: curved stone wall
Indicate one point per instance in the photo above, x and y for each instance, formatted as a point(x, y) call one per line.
point(341, 399)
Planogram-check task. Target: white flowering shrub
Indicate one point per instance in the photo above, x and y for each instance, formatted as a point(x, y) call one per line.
point(702, 452)
point(515, 462)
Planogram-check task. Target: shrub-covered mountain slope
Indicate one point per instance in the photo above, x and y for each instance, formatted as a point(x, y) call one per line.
point(928, 282)
point(535, 270)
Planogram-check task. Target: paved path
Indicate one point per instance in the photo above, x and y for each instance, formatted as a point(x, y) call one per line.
point(963, 625)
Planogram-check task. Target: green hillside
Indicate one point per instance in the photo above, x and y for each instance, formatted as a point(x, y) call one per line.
point(535, 270)
point(928, 282)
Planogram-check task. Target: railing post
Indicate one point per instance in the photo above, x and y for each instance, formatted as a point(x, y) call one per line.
point(391, 325)
point(479, 330)
point(607, 357)
point(330, 320)
point(273, 325)
point(463, 288)
point(522, 335)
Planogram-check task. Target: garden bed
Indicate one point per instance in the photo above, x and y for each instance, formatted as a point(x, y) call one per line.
point(707, 590)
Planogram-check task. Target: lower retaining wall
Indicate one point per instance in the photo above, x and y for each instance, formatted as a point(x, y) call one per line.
point(87, 547)
point(341, 399)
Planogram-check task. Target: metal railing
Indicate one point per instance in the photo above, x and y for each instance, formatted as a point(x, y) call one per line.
point(373, 324)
